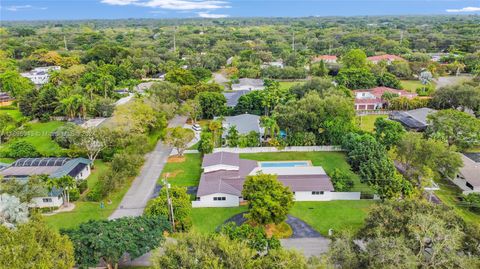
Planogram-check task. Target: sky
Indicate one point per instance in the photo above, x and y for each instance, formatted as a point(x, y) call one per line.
point(117, 9)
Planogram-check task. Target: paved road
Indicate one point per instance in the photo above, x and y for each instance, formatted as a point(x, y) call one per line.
point(312, 246)
point(300, 228)
point(143, 186)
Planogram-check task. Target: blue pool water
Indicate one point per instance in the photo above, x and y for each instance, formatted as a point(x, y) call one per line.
point(284, 164)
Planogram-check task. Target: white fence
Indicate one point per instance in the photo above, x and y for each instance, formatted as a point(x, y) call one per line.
point(273, 149)
point(345, 195)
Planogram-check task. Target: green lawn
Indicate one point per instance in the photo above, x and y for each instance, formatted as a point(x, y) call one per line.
point(6, 160)
point(336, 215)
point(206, 220)
point(367, 122)
point(289, 84)
point(12, 111)
point(39, 135)
point(85, 211)
point(328, 160)
point(185, 173)
point(412, 85)
point(450, 193)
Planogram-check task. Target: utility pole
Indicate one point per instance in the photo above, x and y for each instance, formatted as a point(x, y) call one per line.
point(293, 42)
point(169, 201)
point(174, 38)
point(65, 42)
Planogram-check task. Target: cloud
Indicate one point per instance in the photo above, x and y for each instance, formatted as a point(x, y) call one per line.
point(118, 2)
point(172, 4)
point(23, 7)
point(465, 9)
point(212, 16)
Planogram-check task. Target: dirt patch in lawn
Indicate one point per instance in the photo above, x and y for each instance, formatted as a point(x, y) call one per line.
point(176, 159)
point(282, 230)
point(172, 174)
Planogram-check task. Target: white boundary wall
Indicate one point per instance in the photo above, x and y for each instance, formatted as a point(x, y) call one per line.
point(273, 149)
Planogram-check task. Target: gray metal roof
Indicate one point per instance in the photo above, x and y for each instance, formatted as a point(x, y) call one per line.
point(413, 119)
point(470, 171)
point(53, 167)
point(245, 123)
point(233, 97)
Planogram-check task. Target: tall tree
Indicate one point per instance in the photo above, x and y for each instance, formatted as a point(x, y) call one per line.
point(110, 240)
point(355, 58)
point(212, 104)
point(388, 132)
point(178, 138)
point(268, 200)
point(423, 159)
point(34, 245)
point(181, 204)
point(455, 127)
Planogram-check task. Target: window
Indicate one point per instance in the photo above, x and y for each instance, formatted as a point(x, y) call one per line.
point(469, 185)
point(197, 199)
point(219, 198)
point(317, 192)
point(47, 200)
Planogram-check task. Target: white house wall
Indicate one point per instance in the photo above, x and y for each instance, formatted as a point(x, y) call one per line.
point(55, 202)
point(308, 196)
point(207, 201)
point(84, 173)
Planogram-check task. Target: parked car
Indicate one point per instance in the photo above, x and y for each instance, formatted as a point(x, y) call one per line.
point(196, 127)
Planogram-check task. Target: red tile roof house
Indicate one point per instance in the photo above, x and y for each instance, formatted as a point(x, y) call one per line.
point(389, 58)
point(371, 99)
point(325, 58)
point(224, 173)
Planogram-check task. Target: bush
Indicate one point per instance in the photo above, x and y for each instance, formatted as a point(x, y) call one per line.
point(82, 185)
point(95, 193)
point(74, 195)
point(341, 180)
point(22, 149)
point(425, 91)
point(472, 202)
point(126, 164)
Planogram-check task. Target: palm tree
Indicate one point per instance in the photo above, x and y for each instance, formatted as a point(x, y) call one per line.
point(270, 125)
point(65, 183)
point(214, 126)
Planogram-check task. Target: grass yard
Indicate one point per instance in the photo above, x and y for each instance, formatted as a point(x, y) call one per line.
point(12, 111)
point(328, 160)
point(288, 84)
point(6, 160)
point(39, 135)
point(186, 173)
point(367, 122)
point(336, 215)
point(206, 220)
point(449, 193)
point(412, 85)
point(85, 211)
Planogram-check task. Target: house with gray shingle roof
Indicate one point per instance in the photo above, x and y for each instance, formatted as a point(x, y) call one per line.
point(233, 97)
point(221, 183)
point(468, 177)
point(413, 120)
point(245, 123)
point(24, 168)
point(249, 84)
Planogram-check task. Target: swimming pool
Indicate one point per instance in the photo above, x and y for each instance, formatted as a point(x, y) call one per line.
point(285, 164)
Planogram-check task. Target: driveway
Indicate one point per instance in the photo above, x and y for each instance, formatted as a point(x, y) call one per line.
point(143, 186)
point(304, 238)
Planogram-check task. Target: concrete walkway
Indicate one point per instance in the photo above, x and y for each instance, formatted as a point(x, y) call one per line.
point(143, 186)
